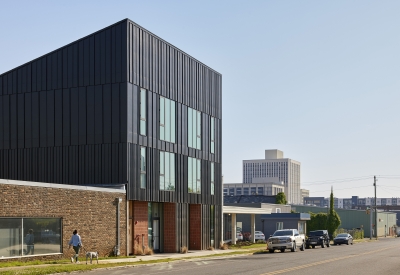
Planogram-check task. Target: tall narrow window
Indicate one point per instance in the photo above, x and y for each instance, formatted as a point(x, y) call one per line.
point(194, 175)
point(212, 135)
point(142, 167)
point(194, 128)
point(143, 109)
point(212, 179)
point(167, 171)
point(167, 119)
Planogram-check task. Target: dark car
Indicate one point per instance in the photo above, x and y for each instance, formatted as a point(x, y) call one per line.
point(317, 237)
point(343, 238)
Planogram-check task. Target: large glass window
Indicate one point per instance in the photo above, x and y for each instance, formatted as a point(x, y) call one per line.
point(143, 167)
point(212, 135)
point(194, 175)
point(29, 236)
point(167, 171)
point(212, 179)
point(167, 119)
point(194, 128)
point(143, 110)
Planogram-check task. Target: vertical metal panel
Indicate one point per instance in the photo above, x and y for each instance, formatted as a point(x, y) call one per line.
point(74, 116)
point(107, 128)
point(1, 85)
point(81, 63)
point(50, 118)
point(82, 115)
point(13, 121)
point(21, 120)
point(66, 122)
point(124, 51)
point(118, 53)
point(115, 113)
point(58, 120)
point(129, 113)
point(90, 115)
point(1, 130)
point(35, 119)
point(98, 114)
point(123, 112)
point(92, 70)
point(107, 56)
point(86, 62)
point(42, 118)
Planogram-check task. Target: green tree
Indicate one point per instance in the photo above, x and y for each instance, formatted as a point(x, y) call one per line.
point(317, 221)
point(280, 198)
point(333, 220)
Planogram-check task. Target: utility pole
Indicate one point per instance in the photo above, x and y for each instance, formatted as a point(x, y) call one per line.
point(376, 212)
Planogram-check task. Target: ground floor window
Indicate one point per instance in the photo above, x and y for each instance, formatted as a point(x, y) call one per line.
point(29, 236)
point(279, 225)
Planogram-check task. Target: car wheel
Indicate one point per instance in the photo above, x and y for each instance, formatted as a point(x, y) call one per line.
point(328, 244)
point(302, 247)
point(347, 243)
point(323, 244)
point(294, 247)
point(313, 246)
point(351, 242)
point(282, 250)
point(271, 250)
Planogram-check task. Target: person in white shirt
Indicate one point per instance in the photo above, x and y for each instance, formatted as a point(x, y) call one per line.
point(76, 243)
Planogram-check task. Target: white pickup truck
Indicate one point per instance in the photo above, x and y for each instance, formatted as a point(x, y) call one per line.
point(286, 239)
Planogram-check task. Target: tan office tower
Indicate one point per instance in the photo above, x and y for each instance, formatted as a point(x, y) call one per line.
point(275, 168)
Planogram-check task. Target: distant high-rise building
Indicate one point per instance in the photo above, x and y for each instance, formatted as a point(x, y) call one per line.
point(275, 168)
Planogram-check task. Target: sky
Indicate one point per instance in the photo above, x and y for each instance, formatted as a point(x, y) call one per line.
point(318, 80)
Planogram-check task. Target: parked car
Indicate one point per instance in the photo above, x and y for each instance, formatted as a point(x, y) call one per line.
point(317, 237)
point(285, 239)
point(343, 238)
point(258, 235)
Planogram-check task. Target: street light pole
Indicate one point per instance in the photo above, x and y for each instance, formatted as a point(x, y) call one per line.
point(376, 212)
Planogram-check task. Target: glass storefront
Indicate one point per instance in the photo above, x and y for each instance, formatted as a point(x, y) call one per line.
point(29, 236)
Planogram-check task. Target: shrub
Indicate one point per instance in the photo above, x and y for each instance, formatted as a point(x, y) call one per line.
point(261, 241)
point(148, 251)
point(138, 250)
point(223, 246)
point(184, 249)
point(210, 248)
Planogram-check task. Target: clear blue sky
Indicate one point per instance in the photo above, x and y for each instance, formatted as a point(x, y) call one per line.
point(318, 80)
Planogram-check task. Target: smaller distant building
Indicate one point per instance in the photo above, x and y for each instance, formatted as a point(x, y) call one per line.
point(304, 194)
point(355, 202)
point(266, 189)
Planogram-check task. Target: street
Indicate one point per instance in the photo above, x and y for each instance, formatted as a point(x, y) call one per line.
point(376, 257)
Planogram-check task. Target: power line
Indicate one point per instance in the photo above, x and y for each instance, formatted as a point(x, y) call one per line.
point(342, 188)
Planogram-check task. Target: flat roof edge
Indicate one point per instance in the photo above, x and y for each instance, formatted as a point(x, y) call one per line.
point(60, 186)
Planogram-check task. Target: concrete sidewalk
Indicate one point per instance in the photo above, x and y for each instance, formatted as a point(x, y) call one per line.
point(160, 256)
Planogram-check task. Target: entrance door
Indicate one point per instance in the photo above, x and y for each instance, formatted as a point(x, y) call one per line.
point(156, 235)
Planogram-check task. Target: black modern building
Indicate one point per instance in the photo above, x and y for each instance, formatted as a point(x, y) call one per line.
point(122, 107)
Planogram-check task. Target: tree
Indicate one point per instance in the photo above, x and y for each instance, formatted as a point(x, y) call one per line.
point(333, 220)
point(280, 198)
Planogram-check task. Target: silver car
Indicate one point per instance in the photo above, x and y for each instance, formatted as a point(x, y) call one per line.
point(258, 235)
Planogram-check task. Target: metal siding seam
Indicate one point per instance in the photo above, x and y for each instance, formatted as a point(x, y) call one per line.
point(123, 112)
point(13, 121)
point(49, 71)
point(70, 66)
point(1, 85)
point(115, 112)
point(58, 123)
point(92, 65)
point(59, 80)
point(14, 82)
point(66, 118)
point(42, 118)
point(65, 68)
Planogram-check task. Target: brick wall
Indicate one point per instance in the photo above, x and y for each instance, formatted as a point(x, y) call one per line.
point(170, 228)
point(139, 210)
point(195, 226)
point(92, 213)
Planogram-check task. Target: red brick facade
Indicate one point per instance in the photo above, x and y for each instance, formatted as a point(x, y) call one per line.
point(195, 226)
point(91, 211)
point(139, 210)
point(170, 228)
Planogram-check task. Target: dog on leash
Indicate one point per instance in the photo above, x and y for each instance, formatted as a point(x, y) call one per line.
point(92, 255)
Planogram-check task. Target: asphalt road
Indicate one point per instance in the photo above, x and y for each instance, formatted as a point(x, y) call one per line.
point(377, 257)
